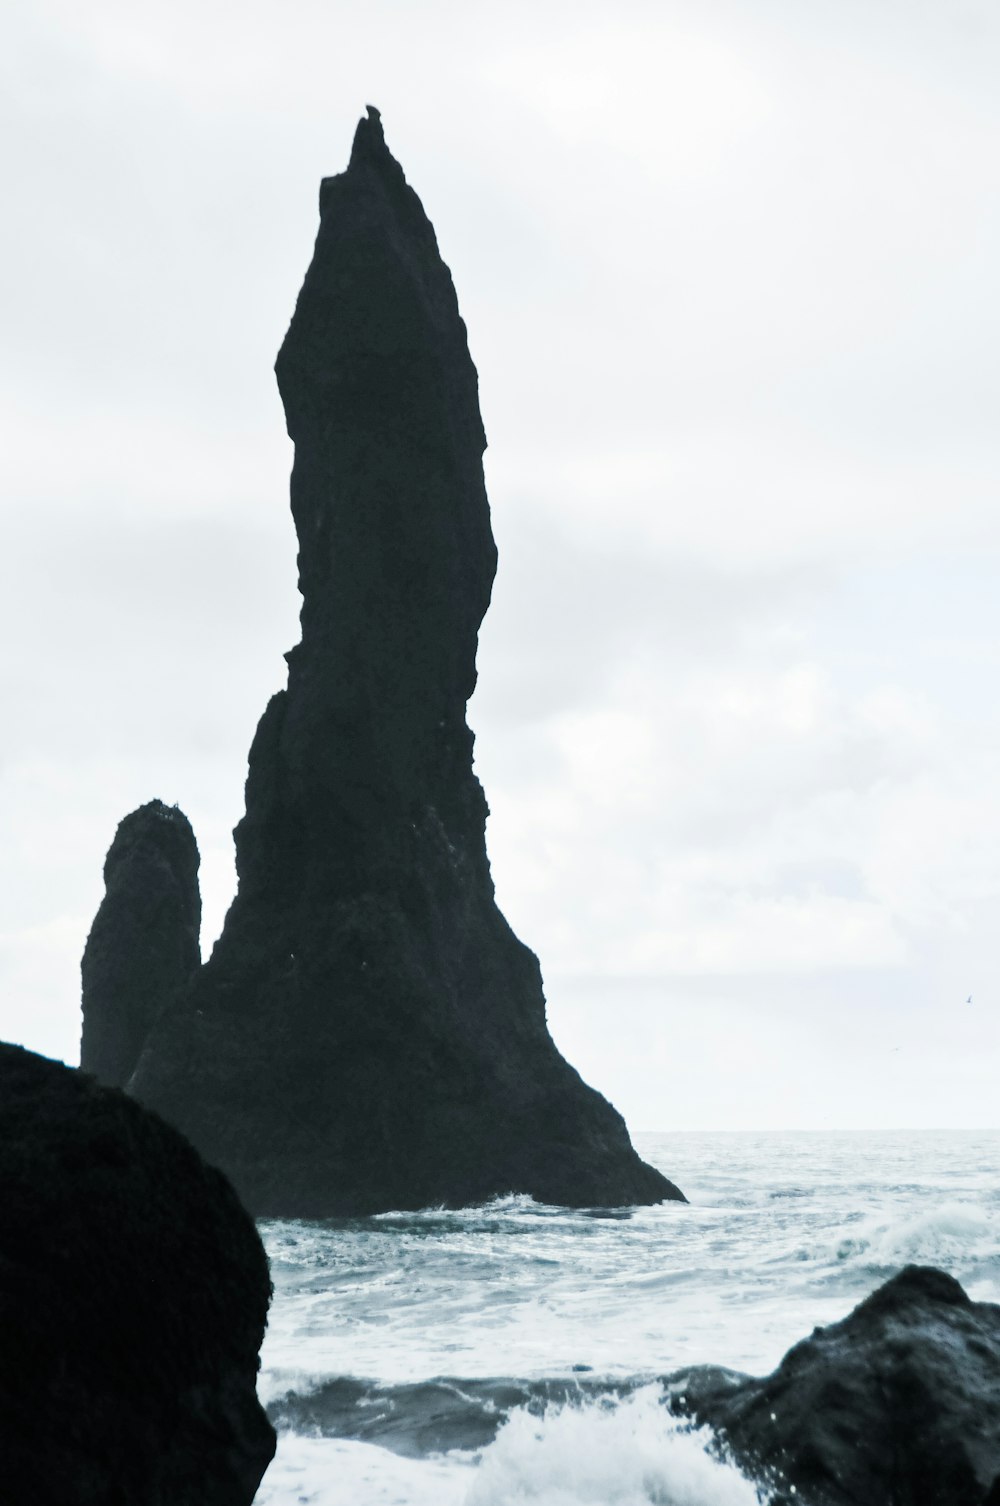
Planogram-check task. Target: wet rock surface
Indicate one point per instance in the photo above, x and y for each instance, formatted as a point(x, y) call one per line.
point(143, 948)
point(133, 1297)
point(368, 1033)
point(897, 1405)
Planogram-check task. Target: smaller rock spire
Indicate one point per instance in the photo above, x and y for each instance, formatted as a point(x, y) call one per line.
point(143, 948)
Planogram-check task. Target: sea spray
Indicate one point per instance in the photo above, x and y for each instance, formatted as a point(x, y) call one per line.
point(615, 1453)
point(631, 1453)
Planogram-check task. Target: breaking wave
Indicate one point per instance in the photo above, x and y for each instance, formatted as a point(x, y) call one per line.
point(545, 1443)
point(625, 1451)
point(950, 1235)
point(434, 1416)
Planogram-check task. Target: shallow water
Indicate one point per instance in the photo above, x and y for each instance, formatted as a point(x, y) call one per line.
point(561, 1322)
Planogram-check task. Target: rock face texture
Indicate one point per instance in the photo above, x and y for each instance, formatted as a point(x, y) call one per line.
point(369, 1033)
point(133, 1297)
point(898, 1403)
point(142, 951)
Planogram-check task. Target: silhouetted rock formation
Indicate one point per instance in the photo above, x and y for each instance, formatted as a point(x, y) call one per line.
point(899, 1402)
point(133, 1297)
point(142, 951)
point(369, 1033)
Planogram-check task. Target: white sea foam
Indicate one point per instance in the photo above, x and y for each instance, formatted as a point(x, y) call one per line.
point(332, 1472)
point(512, 1202)
point(629, 1453)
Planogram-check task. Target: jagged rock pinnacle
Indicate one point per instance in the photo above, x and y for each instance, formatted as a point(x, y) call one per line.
point(369, 137)
point(369, 1033)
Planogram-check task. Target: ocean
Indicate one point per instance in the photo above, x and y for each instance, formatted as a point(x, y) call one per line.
point(512, 1353)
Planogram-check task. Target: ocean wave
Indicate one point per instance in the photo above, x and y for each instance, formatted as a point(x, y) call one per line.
point(511, 1202)
point(956, 1236)
point(561, 1442)
point(434, 1416)
point(626, 1451)
point(512, 1207)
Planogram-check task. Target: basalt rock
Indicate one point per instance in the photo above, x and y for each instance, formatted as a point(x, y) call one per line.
point(133, 1297)
point(142, 951)
point(369, 1033)
point(899, 1403)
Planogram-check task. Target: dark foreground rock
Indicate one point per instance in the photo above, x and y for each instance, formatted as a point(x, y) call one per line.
point(897, 1405)
point(133, 1297)
point(143, 948)
point(369, 1033)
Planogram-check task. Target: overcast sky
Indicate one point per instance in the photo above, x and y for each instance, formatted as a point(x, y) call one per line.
point(729, 270)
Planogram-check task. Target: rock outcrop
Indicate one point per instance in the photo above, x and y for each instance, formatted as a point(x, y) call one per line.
point(143, 949)
point(133, 1297)
point(368, 1032)
point(899, 1402)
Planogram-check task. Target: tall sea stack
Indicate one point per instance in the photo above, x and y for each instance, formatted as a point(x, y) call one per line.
point(369, 1033)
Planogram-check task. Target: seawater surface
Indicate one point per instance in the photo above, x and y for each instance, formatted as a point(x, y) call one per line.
point(513, 1352)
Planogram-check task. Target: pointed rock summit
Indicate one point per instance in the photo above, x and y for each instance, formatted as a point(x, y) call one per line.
point(369, 1033)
